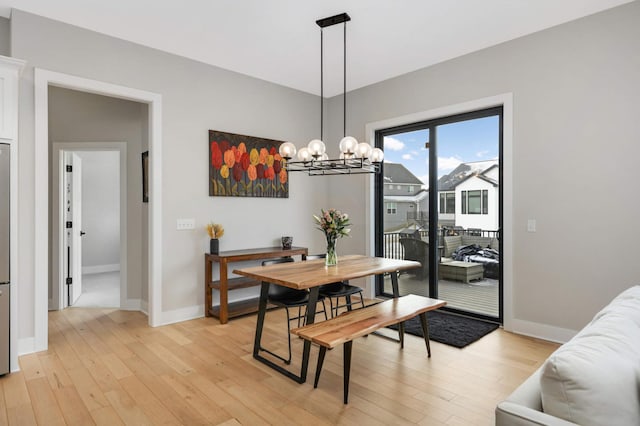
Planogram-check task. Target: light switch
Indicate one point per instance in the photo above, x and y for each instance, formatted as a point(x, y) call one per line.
point(184, 224)
point(531, 225)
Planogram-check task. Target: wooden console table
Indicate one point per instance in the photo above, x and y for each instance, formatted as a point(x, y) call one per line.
point(227, 310)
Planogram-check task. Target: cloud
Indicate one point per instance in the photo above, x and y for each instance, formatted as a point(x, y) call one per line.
point(482, 154)
point(448, 163)
point(407, 157)
point(393, 144)
point(424, 179)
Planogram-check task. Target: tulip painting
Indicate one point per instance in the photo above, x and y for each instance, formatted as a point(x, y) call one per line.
point(246, 166)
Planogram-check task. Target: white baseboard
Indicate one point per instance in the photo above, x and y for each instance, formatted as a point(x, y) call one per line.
point(541, 331)
point(26, 345)
point(131, 305)
point(179, 315)
point(144, 307)
point(98, 269)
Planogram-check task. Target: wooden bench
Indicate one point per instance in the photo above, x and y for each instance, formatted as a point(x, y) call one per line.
point(350, 325)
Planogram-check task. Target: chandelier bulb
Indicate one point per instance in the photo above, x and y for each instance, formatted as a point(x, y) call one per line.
point(348, 145)
point(363, 150)
point(287, 150)
point(316, 148)
point(304, 154)
point(377, 155)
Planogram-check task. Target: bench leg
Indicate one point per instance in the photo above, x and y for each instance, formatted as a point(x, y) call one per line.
point(321, 355)
point(347, 368)
point(425, 331)
point(401, 334)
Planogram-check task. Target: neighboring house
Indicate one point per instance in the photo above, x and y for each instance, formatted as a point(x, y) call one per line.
point(405, 199)
point(468, 196)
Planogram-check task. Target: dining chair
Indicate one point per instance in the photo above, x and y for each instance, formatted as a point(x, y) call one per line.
point(290, 298)
point(335, 291)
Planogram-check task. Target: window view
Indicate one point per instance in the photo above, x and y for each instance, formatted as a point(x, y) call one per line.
point(466, 219)
point(447, 202)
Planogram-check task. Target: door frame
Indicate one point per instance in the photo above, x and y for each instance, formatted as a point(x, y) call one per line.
point(506, 101)
point(57, 201)
point(431, 126)
point(42, 80)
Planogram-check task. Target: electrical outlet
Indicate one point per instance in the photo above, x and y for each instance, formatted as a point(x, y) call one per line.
point(184, 224)
point(531, 225)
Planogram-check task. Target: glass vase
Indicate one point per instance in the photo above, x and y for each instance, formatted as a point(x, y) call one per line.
point(332, 258)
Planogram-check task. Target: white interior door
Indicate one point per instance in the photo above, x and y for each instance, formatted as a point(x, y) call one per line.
point(73, 226)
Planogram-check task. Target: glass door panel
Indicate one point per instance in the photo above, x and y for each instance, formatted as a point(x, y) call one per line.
point(469, 219)
point(405, 221)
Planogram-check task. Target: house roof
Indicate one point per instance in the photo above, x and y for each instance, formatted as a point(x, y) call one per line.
point(398, 174)
point(464, 171)
point(415, 198)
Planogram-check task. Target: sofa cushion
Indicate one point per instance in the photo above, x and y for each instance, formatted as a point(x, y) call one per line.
point(593, 379)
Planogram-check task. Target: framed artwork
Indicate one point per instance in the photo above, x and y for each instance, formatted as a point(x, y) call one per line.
point(245, 166)
point(145, 177)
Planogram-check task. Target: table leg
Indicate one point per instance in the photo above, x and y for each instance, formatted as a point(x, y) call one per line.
point(394, 284)
point(311, 316)
point(262, 311)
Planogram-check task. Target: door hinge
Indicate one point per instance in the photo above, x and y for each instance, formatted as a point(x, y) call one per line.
point(69, 225)
point(69, 168)
point(69, 281)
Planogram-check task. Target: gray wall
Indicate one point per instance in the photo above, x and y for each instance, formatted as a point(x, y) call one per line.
point(576, 91)
point(195, 98)
point(82, 117)
point(5, 37)
point(101, 209)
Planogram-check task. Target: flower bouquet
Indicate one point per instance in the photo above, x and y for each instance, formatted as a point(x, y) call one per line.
point(335, 225)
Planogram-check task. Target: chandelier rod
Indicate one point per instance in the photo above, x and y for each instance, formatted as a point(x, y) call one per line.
point(344, 80)
point(321, 86)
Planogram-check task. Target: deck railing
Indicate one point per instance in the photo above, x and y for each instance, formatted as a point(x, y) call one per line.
point(392, 248)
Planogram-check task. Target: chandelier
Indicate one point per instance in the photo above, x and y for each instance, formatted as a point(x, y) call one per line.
point(354, 157)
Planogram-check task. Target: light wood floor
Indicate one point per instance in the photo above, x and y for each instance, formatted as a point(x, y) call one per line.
point(108, 367)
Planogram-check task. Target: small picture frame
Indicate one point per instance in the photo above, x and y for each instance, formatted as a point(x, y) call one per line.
point(145, 177)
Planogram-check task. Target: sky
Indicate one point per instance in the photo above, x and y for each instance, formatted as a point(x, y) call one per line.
point(461, 142)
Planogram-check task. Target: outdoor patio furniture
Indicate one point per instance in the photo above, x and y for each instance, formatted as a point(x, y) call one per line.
point(418, 250)
point(491, 265)
point(461, 271)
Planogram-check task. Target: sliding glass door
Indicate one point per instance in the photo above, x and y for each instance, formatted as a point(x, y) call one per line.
point(438, 201)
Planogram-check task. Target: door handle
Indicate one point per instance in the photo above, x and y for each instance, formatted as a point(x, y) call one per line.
point(82, 233)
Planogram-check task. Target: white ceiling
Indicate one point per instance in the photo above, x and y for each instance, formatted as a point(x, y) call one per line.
point(278, 40)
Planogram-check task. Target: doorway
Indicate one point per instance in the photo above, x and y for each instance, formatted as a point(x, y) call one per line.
point(43, 79)
point(439, 201)
point(90, 249)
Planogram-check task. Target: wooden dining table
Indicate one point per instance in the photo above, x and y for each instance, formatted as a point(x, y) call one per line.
point(310, 275)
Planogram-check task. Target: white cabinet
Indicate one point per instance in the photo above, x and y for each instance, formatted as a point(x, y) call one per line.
point(9, 74)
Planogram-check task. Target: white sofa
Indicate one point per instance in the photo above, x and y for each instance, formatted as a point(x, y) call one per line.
point(593, 379)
